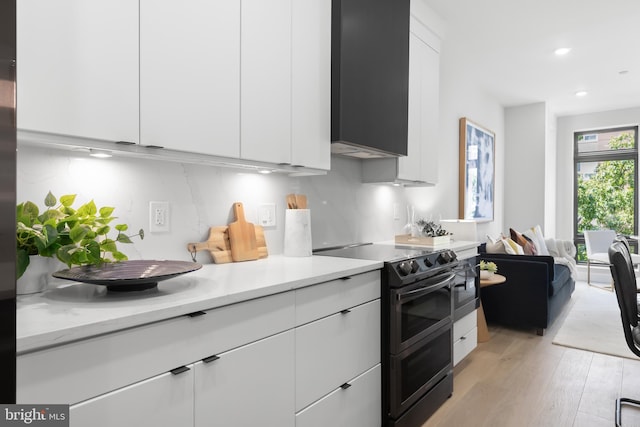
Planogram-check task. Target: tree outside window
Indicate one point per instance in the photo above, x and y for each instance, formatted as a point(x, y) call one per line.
point(606, 182)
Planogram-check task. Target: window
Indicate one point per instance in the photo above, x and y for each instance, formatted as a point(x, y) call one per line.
point(606, 181)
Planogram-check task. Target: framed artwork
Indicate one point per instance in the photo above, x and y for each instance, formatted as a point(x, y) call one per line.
point(477, 172)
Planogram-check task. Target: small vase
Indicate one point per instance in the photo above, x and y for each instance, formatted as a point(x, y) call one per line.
point(37, 275)
point(486, 274)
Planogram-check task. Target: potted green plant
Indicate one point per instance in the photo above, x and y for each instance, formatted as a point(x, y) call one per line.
point(73, 236)
point(487, 269)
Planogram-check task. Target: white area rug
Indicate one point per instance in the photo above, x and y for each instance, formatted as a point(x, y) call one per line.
point(593, 323)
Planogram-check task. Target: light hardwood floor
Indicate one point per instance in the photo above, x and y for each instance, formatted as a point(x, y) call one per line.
point(520, 379)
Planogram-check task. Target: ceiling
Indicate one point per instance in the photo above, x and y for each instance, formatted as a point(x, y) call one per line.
point(510, 45)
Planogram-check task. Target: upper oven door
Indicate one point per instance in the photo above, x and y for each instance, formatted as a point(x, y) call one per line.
point(465, 288)
point(419, 309)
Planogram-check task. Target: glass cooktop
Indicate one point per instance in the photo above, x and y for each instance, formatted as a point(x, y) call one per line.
point(375, 252)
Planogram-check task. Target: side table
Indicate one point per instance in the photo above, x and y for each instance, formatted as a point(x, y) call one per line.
point(483, 330)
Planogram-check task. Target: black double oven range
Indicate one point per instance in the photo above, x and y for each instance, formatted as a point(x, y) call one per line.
point(423, 292)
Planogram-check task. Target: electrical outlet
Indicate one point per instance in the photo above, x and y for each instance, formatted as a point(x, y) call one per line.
point(267, 215)
point(159, 218)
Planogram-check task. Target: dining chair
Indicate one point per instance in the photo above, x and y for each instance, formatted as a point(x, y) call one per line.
point(597, 243)
point(624, 282)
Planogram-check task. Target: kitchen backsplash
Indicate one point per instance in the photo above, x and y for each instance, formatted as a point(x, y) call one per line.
point(343, 210)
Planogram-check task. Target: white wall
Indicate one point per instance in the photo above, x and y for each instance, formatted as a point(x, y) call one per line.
point(566, 126)
point(524, 190)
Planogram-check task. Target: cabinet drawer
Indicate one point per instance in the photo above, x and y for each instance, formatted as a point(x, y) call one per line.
point(315, 302)
point(333, 350)
point(81, 370)
point(162, 401)
point(355, 406)
point(464, 325)
point(464, 345)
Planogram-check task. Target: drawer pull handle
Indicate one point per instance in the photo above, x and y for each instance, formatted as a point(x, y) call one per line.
point(196, 314)
point(210, 359)
point(345, 311)
point(463, 338)
point(345, 386)
point(346, 278)
point(180, 370)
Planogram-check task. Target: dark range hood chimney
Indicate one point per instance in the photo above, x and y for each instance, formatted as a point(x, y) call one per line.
point(370, 78)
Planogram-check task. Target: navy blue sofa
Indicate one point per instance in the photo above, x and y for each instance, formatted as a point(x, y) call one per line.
point(534, 294)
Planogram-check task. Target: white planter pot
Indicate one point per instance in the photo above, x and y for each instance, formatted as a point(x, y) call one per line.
point(37, 275)
point(484, 274)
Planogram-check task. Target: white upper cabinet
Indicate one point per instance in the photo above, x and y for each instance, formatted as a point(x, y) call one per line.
point(265, 101)
point(77, 65)
point(311, 84)
point(190, 75)
point(421, 161)
point(286, 82)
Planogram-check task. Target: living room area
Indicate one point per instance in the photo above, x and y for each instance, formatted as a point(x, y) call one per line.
point(498, 68)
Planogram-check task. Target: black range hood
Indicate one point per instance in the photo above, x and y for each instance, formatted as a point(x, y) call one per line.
point(370, 78)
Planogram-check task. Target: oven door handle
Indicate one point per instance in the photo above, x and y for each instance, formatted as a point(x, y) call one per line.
point(423, 291)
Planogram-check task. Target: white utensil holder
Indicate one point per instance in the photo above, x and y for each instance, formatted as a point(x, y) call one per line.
point(297, 232)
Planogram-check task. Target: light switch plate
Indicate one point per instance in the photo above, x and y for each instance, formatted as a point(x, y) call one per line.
point(267, 215)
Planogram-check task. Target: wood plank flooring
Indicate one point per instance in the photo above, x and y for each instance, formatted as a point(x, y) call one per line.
point(519, 379)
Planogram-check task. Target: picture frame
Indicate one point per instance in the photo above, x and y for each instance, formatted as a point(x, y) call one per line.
point(477, 172)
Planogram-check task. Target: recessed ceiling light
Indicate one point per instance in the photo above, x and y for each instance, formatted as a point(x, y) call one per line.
point(581, 93)
point(562, 51)
point(622, 72)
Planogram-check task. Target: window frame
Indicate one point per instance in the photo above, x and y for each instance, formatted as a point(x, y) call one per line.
point(604, 155)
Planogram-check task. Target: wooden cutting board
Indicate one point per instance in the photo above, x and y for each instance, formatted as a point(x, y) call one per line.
point(219, 247)
point(242, 237)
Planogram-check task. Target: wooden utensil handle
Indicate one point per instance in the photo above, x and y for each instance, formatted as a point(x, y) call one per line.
point(199, 246)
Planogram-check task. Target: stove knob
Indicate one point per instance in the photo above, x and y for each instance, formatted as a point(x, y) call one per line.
point(443, 258)
point(414, 265)
point(428, 262)
point(404, 268)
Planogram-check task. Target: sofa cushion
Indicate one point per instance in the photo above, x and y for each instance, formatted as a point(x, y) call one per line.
point(562, 276)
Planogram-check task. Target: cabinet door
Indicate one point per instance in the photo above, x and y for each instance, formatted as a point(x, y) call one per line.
point(190, 75)
point(311, 84)
point(77, 65)
point(162, 401)
point(420, 164)
point(248, 386)
point(333, 350)
point(265, 101)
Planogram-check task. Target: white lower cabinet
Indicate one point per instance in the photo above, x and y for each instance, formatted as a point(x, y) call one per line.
point(306, 357)
point(248, 386)
point(465, 336)
point(162, 401)
point(353, 406)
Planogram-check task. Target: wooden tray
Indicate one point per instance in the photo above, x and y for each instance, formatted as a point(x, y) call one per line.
point(406, 239)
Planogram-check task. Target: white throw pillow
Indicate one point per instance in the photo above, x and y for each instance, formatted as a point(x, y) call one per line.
point(536, 236)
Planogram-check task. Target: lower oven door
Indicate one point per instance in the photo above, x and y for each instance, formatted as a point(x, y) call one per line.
point(418, 369)
point(418, 309)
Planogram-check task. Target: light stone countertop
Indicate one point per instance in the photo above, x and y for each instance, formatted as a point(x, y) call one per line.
point(69, 311)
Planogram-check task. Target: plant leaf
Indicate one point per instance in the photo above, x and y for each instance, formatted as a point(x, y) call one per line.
point(78, 232)
point(122, 227)
point(106, 211)
point(22, 262)
point(88, 209)
point(108, 245)
point(123, 238)
point(102, 231)
point(119, 256)
point(67, 200)
point(50, 200)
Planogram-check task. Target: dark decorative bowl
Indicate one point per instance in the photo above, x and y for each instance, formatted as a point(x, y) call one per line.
point(127, 276)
